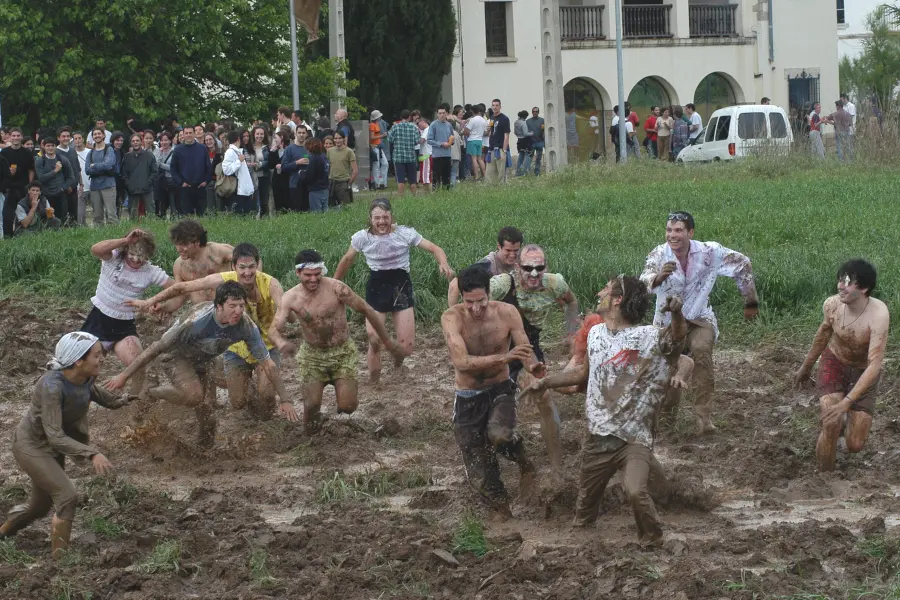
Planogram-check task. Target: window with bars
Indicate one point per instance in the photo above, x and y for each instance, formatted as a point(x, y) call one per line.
point(495, 24)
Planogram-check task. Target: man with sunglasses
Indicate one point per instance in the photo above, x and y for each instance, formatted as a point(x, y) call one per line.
point(686, 268)
point(535, 292)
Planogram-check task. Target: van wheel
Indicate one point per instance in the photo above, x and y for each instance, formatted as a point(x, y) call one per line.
point(679, 161)
point(717, 159)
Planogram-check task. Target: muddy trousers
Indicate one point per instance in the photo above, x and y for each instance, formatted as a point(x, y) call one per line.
point(599, 464)
point(484, 424)
point(699, 346)
point(50, 487)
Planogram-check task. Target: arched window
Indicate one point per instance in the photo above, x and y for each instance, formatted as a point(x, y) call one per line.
point(713, 93)
point(582, 101)
point(647, 93)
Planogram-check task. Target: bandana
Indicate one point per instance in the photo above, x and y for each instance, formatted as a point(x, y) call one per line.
point(70, 348)
point(318, 265)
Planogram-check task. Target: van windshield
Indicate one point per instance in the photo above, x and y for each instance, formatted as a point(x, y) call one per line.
point(752, 126)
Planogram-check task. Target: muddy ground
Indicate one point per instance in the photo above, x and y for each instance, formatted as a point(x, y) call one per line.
point(376, 504)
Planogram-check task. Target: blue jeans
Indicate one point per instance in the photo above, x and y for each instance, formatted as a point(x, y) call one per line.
point(318, 200)
point(454, 171)
point(844, 143)
point(538, 148)
point(524, 160)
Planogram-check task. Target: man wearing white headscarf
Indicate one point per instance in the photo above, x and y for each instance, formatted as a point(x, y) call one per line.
point(55, 426)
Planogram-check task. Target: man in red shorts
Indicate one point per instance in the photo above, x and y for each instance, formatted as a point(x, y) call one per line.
point(850, 347)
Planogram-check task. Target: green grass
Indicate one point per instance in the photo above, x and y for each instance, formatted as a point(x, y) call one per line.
point(469, 536)
point(110, 492)
point(165, 557)
point(340, 487)
point(797, 220)
point(259, 570)
point(10, 555)
point(105, 527)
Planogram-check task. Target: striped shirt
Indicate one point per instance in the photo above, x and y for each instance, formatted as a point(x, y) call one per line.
point(119, 282)
point(403, 138)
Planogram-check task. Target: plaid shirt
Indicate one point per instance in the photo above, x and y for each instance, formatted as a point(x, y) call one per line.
point(681, 135)
point(403, 138)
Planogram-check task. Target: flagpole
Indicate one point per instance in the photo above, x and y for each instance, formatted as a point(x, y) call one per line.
point(295, 81)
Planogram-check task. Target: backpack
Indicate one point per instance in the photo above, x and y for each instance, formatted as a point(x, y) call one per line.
point(226, 185)
point(351, 135)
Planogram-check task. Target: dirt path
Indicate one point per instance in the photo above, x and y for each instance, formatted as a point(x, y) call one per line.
point(376, 504)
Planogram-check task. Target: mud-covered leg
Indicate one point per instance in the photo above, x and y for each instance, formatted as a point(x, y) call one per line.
point(636, 472)
point(858, 425)
point(205, 411)
point(346, 392)
point(597, 468)
point(826, 446)
point(312, 404)
point(373, 357)
point(550, 429)
point(480, 460)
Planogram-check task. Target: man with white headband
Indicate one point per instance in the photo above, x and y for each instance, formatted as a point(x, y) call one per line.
point(55, 426)
point(534, 291)
point(328, 355)
point(264, 294)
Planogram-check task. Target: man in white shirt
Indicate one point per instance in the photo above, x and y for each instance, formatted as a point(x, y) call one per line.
point(696, 121)
point(629, 132)
point(689, 269)
point(850, 108)
point(474, 131)
point(234, 164)
point(84, 188)
point(100, 124)
point(284, 118)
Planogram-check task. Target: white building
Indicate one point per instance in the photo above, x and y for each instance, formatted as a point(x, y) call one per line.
point(710, 52)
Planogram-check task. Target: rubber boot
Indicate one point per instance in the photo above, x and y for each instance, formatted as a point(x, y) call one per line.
point(21, 516)
point(60, 534)
point(550, 432)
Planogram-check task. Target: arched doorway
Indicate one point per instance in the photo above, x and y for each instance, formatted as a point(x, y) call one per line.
point(582, 101)
point(647, 93)
point(714, 92)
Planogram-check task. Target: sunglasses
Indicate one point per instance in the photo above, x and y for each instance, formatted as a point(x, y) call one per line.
point(678, 217)
point(533, 270)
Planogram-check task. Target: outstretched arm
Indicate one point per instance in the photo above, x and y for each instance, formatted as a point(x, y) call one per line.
point(570, 377)
point(210, 282)
point(738, 267)
point(146, 357)
point(345, 263)
point(439, 255)
point(570, 310)
point(349, 298)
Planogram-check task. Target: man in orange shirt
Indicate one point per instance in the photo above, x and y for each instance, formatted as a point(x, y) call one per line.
point(379, 164)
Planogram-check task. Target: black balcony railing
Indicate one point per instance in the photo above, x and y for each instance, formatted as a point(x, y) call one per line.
point(581, 23)
point(713, 20)
point(647, 21)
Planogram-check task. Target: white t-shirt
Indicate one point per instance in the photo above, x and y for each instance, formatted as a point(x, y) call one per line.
point(386, 252)
point(89, 140)
point(851, 108)
point(629, 126)
point(82, 158)
point(696, 120)
point(425, 146)
point(119, 282)
point(477, 126)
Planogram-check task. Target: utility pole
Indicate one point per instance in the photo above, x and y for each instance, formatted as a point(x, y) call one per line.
point(336, 44)
point(552, 84)
point(295, 79)
point(620, 74)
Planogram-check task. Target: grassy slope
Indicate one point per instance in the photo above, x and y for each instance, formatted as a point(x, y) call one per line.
point(797, 222)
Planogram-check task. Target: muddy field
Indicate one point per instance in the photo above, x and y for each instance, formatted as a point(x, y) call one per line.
point(375, 505)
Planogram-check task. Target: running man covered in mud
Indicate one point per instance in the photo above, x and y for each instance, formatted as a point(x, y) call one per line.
point(125, 272)
point(197, 258)
point(484, 339)
point(500, 261)
point(56, 426)
point(534, 291)
point(328, 355)
point(627, 373)
point(389, 290)
point(264, 294)
point(849, 346)
point(688, 269)
point(188, 349)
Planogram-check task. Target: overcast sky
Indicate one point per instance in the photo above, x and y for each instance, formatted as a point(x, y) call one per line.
point(856, 12)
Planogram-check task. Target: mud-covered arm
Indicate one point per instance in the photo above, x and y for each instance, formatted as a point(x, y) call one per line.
point(459, 354)
point(737, 266)
point(107, 399)
point(158, 347)
point(51, 400)
point(575, 376)
point(520, 338)
point(453, 292)
point(345, 263)
point(282, 315)
point(349, 298)
point(878, 333)
point(820, 342)
point(271, 371)
point(652, 267)
point(570, 310)
point(210, 282)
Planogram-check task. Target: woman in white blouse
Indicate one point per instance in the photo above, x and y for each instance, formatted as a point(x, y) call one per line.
point(385, 246)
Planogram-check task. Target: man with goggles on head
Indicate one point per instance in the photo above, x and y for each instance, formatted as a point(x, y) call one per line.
point(689, 269)
point(125, 272)
point(534, 292)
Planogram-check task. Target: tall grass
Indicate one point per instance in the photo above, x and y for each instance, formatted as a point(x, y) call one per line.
point(797, 219)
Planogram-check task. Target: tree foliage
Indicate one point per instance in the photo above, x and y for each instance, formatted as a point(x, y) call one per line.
point(65, 61)
point(876, 72)
point(399, 51)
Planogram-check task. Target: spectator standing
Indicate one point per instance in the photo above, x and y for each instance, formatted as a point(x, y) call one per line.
point(343, 171)
point(67, 149)
point(214, 156)
point(499, 144)
point(614, 132)
point(281, 182)
point(651, 131)
point(402, 138)
point(425, 162)
point(165, 186)
point(100, 166)
point(342, 125)
point(815, 131)
point(117, 141)
point(851, 110)
point(140, 172)
point(536, 126)
point(283, 119)
point(34, 213)
point(316, 176)
point(664, 125)
point(377, 134)
point(84, 188)
point(474, 132)
point(259, 149)
point(100, 123)
point(696, 120)
point(192, 173)
point(440, 139)
point(681, 134)
point(633, 145)
point(57, 177)
point(843, 125)
point(21, 170)
point(572, 142)
point(294, 163)
point(523, 143)
point(234, 163)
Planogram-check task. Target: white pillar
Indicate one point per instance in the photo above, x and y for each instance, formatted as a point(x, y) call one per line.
point(553, 82)
point(336, 44)
point(680, 19)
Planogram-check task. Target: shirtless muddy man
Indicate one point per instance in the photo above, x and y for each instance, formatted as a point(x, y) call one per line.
point(849, 346)
point(478, 334)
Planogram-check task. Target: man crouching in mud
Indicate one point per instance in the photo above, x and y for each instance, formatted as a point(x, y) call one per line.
point(478, 334)
point(850, 347)
point(627, 375)
point(328, 355)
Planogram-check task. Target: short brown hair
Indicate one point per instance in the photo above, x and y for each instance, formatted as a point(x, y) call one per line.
point(147, 242)
point(314, 145)
point(188, 232)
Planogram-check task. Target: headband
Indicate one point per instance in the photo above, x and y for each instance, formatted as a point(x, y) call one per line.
point(70, 348)
point(316, 265)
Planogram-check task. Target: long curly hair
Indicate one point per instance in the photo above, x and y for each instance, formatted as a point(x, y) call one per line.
point(635, 297)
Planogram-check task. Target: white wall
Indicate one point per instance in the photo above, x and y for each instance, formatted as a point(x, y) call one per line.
point(855, 14)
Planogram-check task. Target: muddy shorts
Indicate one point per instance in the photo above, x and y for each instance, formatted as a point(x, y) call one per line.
point(108, 329)
point(834, 377)
point(390, 291)
point(234, 362)
point(327, 365)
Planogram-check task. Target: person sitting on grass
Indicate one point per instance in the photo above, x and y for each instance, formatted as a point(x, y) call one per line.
point(33, 213)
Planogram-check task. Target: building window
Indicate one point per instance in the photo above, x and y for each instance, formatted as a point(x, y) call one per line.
point(840, 12)
point(803, 92)
point(495, 25)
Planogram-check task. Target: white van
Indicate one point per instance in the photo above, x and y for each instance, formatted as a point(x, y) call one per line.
point(737, 131)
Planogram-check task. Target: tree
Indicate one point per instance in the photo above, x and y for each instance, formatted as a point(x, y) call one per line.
point(876, 72)
point(399, 51)
point(67, 61)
